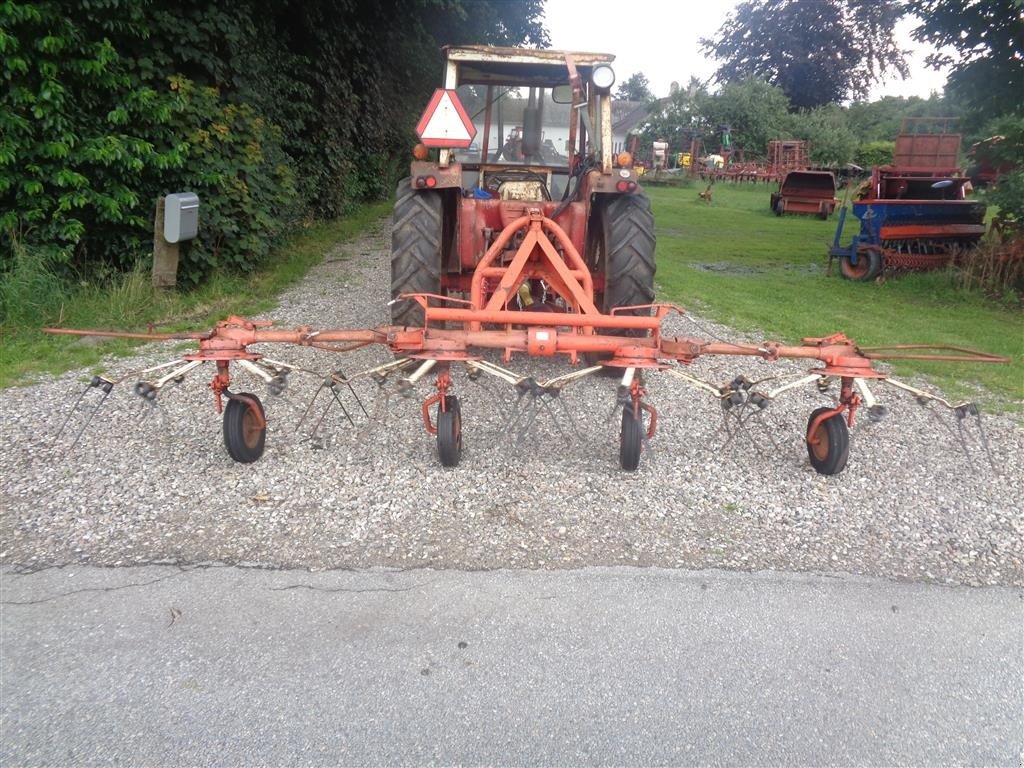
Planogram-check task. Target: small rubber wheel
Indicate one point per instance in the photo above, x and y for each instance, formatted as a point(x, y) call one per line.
point(829, 447)
point(823, 211)
point(868, 266)
point(774, 201)
point(630, 439)
point(780, 207)
point(245, 430)
point(449, 431)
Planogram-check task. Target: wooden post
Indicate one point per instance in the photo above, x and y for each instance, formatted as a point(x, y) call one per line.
point(165, 255)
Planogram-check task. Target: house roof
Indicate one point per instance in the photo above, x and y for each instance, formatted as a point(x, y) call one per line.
point(627, 115)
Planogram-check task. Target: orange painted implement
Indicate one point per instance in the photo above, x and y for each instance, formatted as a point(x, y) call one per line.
point(534, 251)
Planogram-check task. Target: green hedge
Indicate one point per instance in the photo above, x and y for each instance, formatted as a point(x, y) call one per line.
point(273, 111)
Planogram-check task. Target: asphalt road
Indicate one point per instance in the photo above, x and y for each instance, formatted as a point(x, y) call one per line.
point(227, 666)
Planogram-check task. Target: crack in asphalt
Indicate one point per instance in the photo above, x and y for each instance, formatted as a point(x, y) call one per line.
point(345, 589)
point(86, 590)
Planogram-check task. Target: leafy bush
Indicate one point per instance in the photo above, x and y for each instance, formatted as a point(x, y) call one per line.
point(827, 129)
point(270, 111)
point(872, 153)
point(75, 137)
point(1008, 194)
point(234, 161)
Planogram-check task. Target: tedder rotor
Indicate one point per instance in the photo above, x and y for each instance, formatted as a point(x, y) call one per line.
point(507, 245)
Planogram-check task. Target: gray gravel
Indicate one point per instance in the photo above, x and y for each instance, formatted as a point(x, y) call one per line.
point(155, 485)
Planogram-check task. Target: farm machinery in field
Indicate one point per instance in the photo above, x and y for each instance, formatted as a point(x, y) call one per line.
point(526, 252)
point(914, 214)
point(808, 192)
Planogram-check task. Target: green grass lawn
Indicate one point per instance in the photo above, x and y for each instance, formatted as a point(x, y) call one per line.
point(130, 303)
point(734, 261)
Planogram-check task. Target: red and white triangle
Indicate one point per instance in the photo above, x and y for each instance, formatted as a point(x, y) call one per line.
point(445, 122)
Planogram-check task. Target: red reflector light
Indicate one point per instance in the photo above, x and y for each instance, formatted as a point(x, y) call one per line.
point(622, 186)
point(431, 181)
point(632, 186)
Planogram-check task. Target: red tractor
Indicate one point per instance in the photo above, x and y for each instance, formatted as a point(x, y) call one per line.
point(470, 183)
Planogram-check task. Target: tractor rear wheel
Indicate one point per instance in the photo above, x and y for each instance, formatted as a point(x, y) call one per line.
point(867, 268)
point(620, 243)
point(627, 231)
point(417, 240)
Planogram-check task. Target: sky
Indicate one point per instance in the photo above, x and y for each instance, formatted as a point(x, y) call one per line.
point(662, 40)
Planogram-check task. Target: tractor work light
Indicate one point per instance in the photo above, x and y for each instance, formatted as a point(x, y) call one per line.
point(420, 152)
point(603, 77)
point(624, 159)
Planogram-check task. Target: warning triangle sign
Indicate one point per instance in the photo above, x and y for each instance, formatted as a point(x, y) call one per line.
point(445, 122)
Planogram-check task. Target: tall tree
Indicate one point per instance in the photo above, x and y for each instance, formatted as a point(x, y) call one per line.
point(817, 51)
point(636, 87)
point(752, 112)
point(988, 39)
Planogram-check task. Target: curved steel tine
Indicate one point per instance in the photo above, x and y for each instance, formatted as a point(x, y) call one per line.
point(71, 412)
point(957, 435)
point(746, 414)
point(569, 417)
point(759, 418)
point(336, 399)
point(555, 419)
point(107, 387)
point(524, 420)
point(309, 407)
point(518, 409)
point(984, 436)
point(358, 399)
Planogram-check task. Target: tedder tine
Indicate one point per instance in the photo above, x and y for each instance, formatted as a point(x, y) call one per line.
point(334, 396)
point(960, 412)
point(976, 412)
point(96, 381)
point(309, 407)
point(107, 386)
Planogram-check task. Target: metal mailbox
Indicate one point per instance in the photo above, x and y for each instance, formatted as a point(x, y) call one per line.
point(181, 216)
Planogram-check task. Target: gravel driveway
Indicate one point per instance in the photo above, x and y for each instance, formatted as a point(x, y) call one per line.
point(148, 485)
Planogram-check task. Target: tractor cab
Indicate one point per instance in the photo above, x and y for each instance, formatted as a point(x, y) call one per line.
point(515, 132)
point(536, 115)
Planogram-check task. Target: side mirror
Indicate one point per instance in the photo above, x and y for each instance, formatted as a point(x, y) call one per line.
point(562, 94)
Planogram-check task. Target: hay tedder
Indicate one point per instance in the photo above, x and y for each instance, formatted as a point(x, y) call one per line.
point(525, 252)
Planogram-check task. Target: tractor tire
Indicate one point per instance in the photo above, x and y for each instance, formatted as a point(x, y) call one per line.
point(621, 244)
point(628, 241)
point(417, 240)
point(867, 268)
